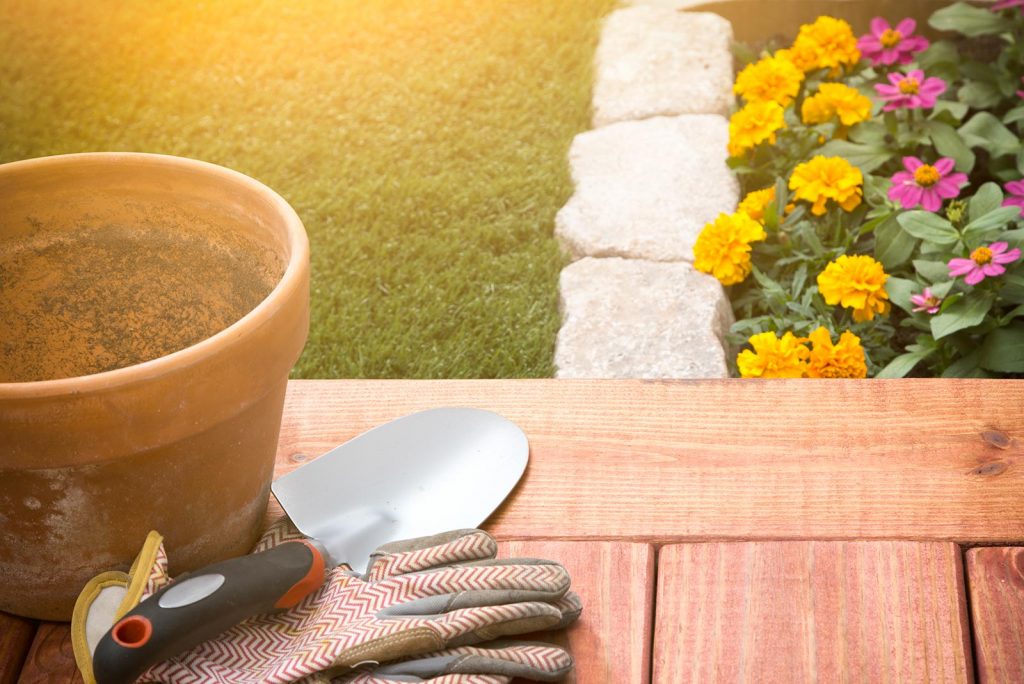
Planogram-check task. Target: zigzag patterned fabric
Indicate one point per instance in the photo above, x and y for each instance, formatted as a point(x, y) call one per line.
point(341, 625)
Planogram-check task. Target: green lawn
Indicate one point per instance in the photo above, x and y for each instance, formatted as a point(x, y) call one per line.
point(423, 143)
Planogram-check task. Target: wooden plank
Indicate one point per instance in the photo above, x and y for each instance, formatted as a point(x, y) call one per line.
point(611, 642)
point(811, 612)
point(722, 460)
point(16, 635)
point(995, 577)
point(51, 660)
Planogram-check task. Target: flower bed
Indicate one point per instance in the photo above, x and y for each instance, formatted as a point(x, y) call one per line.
point(882, 225)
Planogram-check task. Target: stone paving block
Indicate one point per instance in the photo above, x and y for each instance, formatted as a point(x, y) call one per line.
point(645, 189)
point(630, 318)
point(658, 61)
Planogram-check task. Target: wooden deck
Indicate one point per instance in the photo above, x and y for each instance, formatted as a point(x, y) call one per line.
point(754, 531)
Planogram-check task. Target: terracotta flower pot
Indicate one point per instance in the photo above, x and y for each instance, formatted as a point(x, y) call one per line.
point(151, 308)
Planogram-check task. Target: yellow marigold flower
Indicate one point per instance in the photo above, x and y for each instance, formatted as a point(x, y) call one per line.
point(844, 359)
point(771, 79)
point(816, 109)
point(848, 103)
point(754, 124)
point(828, 43)
point(856, 282)
point(803, 55)
point(827, 178)
point(773, 357)
point(755, 203)
point(723, 247)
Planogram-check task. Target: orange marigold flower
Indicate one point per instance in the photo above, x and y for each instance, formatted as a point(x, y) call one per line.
point(723, 247)
point(827, 178)
point(755, 203)
point(754, 124)
point(771, 79)
point(856, 282)
point(773, 357)
point(844, 359)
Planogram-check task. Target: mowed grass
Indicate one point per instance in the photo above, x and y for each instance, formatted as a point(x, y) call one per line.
point(423, 143)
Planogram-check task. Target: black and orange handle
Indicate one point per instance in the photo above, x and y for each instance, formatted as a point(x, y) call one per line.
point(203, 604)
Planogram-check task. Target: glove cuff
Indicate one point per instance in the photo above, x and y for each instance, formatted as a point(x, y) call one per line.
point(107, 597)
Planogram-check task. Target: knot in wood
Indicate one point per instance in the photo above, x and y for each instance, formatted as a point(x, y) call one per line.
point(990, 469)
point(997, 438)
point(299, 457)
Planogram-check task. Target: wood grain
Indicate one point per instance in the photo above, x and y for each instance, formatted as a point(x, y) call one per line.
point(16, 635)
point(722, 460)
point(611, 642)
point(811, 612)
point(995, 577)
point(51, 660)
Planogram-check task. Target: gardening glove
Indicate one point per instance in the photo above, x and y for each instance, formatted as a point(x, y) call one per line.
point(496, 662)
point(417, 596)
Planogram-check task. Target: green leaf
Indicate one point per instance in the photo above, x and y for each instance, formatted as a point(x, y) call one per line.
point(957, 109)
point(949, 144)
point(799, 278)
point(1013, 236)
point(904, 363)
point(965, 313)
point(950, 301)
point(942, 289)
point(932, 271)
point(869, 133)
point(987, 198)
point(899, 291)
point(968, 20)
point(930, 227)
point(1003, 349)
point(1012, 313)
point(867, 158)
point(987, 132)
point(940, 52)
point(990, 224)
point(979, 95)
point(965, 367)
point(1014, 115)
point(893, 246)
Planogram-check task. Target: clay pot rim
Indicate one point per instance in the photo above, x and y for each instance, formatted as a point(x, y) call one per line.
point(298, 245)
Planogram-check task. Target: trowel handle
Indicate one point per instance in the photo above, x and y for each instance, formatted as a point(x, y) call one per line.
point(202, 604)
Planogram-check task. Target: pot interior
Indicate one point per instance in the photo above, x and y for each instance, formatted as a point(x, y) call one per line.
point(101, 271)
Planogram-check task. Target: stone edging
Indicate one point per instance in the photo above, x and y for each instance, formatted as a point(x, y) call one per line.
point(647, 179)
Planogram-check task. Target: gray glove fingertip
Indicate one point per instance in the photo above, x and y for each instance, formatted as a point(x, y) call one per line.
point(571, 607)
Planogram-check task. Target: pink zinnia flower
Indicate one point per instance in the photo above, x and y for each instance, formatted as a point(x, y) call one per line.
point(926, 301)
point(1016, 191)
point(886, 45)
point(985, 262)
point(1006, 4)
point(925, 185)
point(911, 90)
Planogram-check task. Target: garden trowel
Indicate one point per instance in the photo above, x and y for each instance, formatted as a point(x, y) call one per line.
point(425, 473)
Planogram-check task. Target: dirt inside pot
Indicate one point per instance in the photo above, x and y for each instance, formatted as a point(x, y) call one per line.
point(95, 298)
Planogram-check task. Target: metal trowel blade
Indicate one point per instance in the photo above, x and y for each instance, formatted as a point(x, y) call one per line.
point(419, 475)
